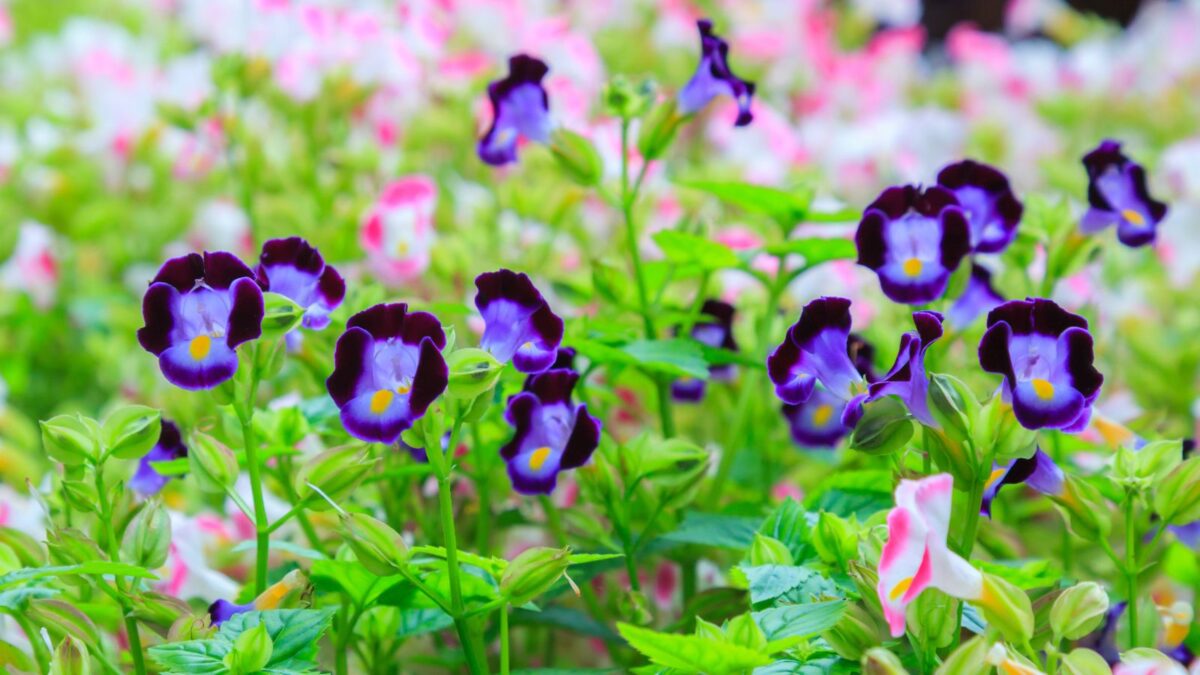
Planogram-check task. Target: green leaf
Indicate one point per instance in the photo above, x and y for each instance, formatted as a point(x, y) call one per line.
point(683, 248)
point(816, 250)
point(711, 529)
point(785, 208)
point(421, 621)
point(847, 493)
point(691, 653)
point(17, 599)
point(790, 524)
point(350, 577)
point(566, 618)
point(99, 567)
point(768, 582)
point(792, 621)
point(1024, 574)
point(675, 356)
point(585, 558)
point(131, 431)
point(294, 635)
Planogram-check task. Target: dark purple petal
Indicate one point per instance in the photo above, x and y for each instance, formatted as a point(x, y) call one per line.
point(816, 349)
point(378, 417)
point(978, 298)
point(907, 379)
point(817, 423)
point(992, 209)
point(688, 390)
point(714, 78)
point(862, 354)
point(387, 321)
point(146, 480)
point(1038, 472)
point(221, 269)
point(519, 324)
point(182, 272)
point(351, 374)
point(158, 310)
point(584, 440)
point(296, 270)
point(520, 109)
point(553, 386)
point(549, 434)
point(331, 289)
point(245, 312)
point(430, 380)
point(1118, 194)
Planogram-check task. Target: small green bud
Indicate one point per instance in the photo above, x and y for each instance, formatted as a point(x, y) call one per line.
point(269, 357)
point(769, 551)
point(835, 540)
point(71, 658)
point(131, 431)
point(376, 545)
point(158, 608)
point(67, 439)
point(968, 659)
point(577, 157)
point(281, 315)
point(855, 633)
point(866, 581)
point(532, 573)
point(933, 618)
point(62, 619)
point(473, 372)
point(953, 406)
point(28, 550)
point(211, 463)
point(148, 537)
point(68, 546)
point(251, 651)
point(626, 100)
point(81, 494)
point(1177, 497)
point(1007, 608)
point(879, 661)
point(336, 472)
point(658, 129)
point(885, 427)
point(1084, 662)
point(743, 630)
point(1010, 440)
point(1078, 611)
point(951, 455)
point(1084, 508)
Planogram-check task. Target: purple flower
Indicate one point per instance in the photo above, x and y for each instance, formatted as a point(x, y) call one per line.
point(913, 240)
point(977, 299)
point(717, 332)
point(520, 109)
point(1038, 472)
point(907, 378)
point(296, 270)
point(519, 325)
point(1117, 194)
point(862, 355)
point(146, 480)
point(816, 349)
point(551, 434)
point(388, 369)
point(223, 610)
point(992, 209)
point(197, 311)
point(1045, 356)
point(714, 78)
point(817, 423)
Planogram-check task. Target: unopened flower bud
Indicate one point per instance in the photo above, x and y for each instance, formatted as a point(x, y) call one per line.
point(658, 129)
point(1177, 497)
point(1084, 508)
point(281, 315)
point(1008, 608)
point(532, 573)
point(148, 537)
point(376, 545)
point(336, 472)
point(67, 439)
point(769, 551)
point(69, 546)
point(835, 540)
point(624, 99)
point(879, 661)
point(472, 373)
point(577, 157)
point(884, 428)
point(1084, 662)
point(854, 633)
point(62, 619)
point(131, 431)
point(211, 463)
point(1078, 610)
point(71, 658)
point(950, 454)
point(251, 651)
point(968, 659)
point(933, 618)
point(953, 406)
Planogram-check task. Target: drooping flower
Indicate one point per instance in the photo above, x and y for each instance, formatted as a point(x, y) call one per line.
point(552, 434)
point(714, 78)
point(388, 369)
point(1045, 355)
point(197, 311)
point(977, 299)
point(397, 232)
point(520, 109)
point(816, 350)
point(906, 379)
point(916, 556)
point(913, 240)
point(993, 211)
point(1117, 194)
point(519, 324)
point(1038, 472)
point(715, 331)
point(296, 270)
point(223, 610)
point(146, 480)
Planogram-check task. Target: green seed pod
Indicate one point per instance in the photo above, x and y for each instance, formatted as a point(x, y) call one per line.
point(1008, 608)
point(577, 157)
point(71, 658)
point(1084, 662)
point(68, 546)
point(148, 538)
point(158, 609)
point(1084, 508)
point(879, 661)
point(855, 633)
point(336, 472)
point(933, 618)
point(131, 431)
point(376, 545)
point(211, 463)
point(835, 539)
point(67, 439)
point(251, 651)
point(532, 573)
point(953, 406)
point(1078, 611)
point(968, 659)
point(658, 129)
point(62, 619)
point(281, 315)
point(769, 551)
point(885, 427)
point(28, 550)
point(1177, 497)
point(473, 372)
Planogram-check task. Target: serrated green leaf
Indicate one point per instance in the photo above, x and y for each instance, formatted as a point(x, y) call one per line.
point(796, 621)
point(421, 621)
point(691, 653)
point(676, 356)
point(684, 248)
point(768, 582)
point(711, 529)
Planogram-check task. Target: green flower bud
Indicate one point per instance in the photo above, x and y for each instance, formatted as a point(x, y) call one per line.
point(211, 463)
point(577, 157)
point(658, 129)
point(885, 427)
point(879, 661)
point(1177, 497)
point(1078, 611)
point(473, 372)
point(968, 659)
point(269, 357)
point(130, 432)
point(1010, 440)
point(158, 608)
point(953, 406)
point(866, 581)
point(251, 651)
point(28, 550)
point(67, 439)
point(68, 546)
point(743, 630)
point(80, 494)
point(855, 633)
point(835, 540)
point(336, 472)
point(376, 545)
point(71, 658)
point(281, 315)
point(1147, 466)
point(148, 537)
point(932, 618)
point(626, 100)
point(1007, 608)
point(62, 619)
point(532, 573)
point(1084, 508)
point(769, 551)
point(1083, 662)
point(951, 455)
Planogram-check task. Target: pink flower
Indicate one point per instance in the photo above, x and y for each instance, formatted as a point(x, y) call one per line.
point(33, 266)
point(915, 556)
point(397, 233)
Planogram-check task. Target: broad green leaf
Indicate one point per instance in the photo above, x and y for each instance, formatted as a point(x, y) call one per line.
point(194, 656)
point(816, 250)
point(792, 621)
point(130, 431)
point(421, 621)
point(294, 636)
point(790, 524)
point(691, 653)
point(570, 619)
point(1026, 574)
point(675, 356)
point(711, 529)
point(768, 582)
point(684, 248)
point(847, 493)
point(350, 577)
point(585, 558)
point(785, 208)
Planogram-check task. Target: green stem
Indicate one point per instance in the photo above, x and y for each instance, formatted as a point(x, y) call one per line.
point(504, 640)
point(974, 502)
point(106, 522)
point(1131, 569)
point(40, 652)
point(262, 526)
point(135, 644)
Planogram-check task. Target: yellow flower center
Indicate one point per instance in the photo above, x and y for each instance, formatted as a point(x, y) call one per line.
point(538, 457)
point(403, 389)
point(1134, 217)
point(380, 400)
point(1043, 388)
point(200, 346)
point(913, 266)
point(900, 588)
point(995, 476)
point(822, 414)
point(402, 248)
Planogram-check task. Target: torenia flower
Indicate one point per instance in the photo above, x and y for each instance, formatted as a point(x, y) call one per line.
point(977, 299)
point(714, 78)
point(907, 378)
point(223, 610)
point(551, 434)
point(293, 268)
point(915, 556)
point(817, 422)
point(397, 233)
point(992, 209)
point(519, 324)
point(520, 109)
point(1117, 194)
point(197, 311)
point(388, 369)
point(716, 330)
point(146, 480)
point(1038, 472)
point(1045, 355)
point(913, 240)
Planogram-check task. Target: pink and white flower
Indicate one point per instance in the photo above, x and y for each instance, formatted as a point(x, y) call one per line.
point(33, 267)
point(397, 233)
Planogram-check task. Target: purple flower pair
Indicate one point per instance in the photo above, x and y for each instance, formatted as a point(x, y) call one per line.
point(1117, 195)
